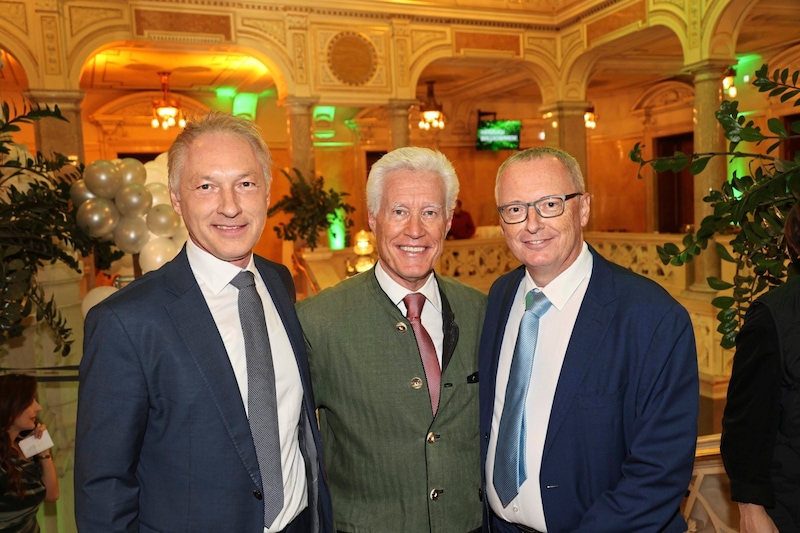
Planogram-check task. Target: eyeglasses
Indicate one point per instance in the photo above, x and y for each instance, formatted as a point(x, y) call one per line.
point(547, 207)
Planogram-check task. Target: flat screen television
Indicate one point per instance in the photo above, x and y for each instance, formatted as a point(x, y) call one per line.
point(498, 134)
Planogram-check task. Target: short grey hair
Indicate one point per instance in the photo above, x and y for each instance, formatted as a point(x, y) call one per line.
point(217, 122)
point(540, 152)
point(416, 159)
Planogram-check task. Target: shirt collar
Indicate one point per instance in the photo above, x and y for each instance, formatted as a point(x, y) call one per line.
point(397, 292)
point(561, 289)
point(215, 273)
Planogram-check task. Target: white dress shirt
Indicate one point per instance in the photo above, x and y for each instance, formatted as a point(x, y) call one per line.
point(431, 311)
point(566, 294)
point(214, 277)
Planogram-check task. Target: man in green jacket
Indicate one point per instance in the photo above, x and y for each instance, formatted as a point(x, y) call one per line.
point(398, 396)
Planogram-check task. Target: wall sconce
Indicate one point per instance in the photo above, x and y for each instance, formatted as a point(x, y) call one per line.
point(728, 82)
point(430, 111)
point(167, 110)
point(590, 118)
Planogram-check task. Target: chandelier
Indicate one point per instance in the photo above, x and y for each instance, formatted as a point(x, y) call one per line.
point(430, 111)
point(167, 110)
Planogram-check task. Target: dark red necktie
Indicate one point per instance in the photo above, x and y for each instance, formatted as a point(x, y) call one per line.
point(433, 374)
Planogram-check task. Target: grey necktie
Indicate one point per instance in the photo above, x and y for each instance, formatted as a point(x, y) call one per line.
point(509, 463)
point(262, 404)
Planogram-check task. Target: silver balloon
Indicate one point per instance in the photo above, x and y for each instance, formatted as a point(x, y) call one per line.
point(97, 217)
point(133, 200)
point(163, 220)
point(157, 252)
point(132, 171)
point(131, 234)
point(79, 193)
point(103, 178)
point(160, 193)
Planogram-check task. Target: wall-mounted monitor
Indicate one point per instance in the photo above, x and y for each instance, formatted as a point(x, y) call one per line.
point(498, 134)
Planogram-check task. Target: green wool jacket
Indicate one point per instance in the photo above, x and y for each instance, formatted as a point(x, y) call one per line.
point(391, 465)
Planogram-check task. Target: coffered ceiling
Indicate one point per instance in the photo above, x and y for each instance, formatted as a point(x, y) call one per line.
point(654, 54)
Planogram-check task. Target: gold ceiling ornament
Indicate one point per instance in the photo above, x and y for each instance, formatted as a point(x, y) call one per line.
point(430, 111)
point(167, 110)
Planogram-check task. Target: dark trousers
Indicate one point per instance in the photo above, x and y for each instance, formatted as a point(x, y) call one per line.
point(301, 523)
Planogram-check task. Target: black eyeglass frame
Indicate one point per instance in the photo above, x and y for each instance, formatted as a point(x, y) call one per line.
point(528, 205)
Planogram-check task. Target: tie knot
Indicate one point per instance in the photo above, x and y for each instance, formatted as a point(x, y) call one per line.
point(536, 302)
point(243, 279)
point(414, 302)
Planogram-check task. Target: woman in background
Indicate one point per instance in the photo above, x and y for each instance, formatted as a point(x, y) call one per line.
point(24, 483)
point(760, 443)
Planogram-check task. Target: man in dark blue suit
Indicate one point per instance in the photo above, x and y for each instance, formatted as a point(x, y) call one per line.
point(163, 437)
point(597, 433)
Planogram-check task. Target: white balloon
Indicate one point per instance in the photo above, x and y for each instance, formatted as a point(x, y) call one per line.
point(157, 252)
point(95, 296)
point(155, 173)
point(180, 236)
point(160, 193)
point(163, 159)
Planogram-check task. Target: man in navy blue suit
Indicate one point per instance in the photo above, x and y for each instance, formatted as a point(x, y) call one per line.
point(163, 439)
point(598, 433)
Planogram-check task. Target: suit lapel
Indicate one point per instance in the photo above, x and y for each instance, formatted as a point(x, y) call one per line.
point(197, 329)
point(590, 328)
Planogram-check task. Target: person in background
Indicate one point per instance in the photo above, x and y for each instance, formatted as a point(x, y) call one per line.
point(589, 382)
point(398, 396)
point(462, 226)
point(760, 443)
point(195, 410)
point(24, 482)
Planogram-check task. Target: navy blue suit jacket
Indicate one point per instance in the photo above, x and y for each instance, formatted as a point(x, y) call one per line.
point(619, 449)
point(163, 441)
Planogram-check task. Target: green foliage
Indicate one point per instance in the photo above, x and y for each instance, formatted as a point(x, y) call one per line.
point(37, 227)
point(311, 208)
point(751, 208)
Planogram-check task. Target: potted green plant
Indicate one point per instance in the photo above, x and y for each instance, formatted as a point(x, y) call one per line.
point(748, 208)
point(37, 227)
point(312, 208)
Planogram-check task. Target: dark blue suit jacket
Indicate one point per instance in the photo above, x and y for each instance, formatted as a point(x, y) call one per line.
point(619, 448)
point(163, 442)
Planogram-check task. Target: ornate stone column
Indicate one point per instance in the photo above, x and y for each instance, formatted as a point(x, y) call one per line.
point(708, 137)
point(55, 135)
point(398, 121)
point(301, 143)
point(564, 128)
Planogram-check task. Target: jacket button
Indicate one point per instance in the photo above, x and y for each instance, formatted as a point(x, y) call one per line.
point(431, 438)
point(401, 327)
point(416, 383)
point(257, 494)
point(435, 493)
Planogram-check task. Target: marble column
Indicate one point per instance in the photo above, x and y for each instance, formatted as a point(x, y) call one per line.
point(708, 137)
point(301, 144)
point(398, 121)
point(56, 135)
point(565, 129)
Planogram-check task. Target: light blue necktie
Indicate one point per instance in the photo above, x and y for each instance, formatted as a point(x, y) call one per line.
point(509, 462)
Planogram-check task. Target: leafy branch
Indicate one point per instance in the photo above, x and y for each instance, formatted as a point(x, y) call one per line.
point(37, 227)
point(752, 207)
point(312, 208)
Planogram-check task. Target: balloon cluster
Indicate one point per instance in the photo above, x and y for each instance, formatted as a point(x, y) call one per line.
point(128, 203)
